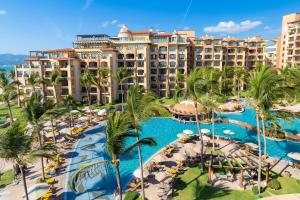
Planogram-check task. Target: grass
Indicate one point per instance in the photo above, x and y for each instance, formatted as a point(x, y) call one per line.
point(6, 178)
point(18, 113)
point(193, 186)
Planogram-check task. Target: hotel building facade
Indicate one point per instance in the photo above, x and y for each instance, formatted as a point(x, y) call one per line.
point(288, 45)
point(151, 59)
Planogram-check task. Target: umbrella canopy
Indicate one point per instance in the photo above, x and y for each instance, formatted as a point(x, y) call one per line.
point(188, 132)
point(83, 118)
point(205, 138)
point(101, 112)
point(187, 108)
point(181, 136)
point(137, 173)
point(65, 131)
point(62, 123)
point(294, 155)
point(226, 131)
point(205, 131)
point(48, 123)
point(74, 111)
point(252, 145)
point(37, 191)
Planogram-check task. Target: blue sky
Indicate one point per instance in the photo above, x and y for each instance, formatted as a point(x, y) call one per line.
point(46, 24)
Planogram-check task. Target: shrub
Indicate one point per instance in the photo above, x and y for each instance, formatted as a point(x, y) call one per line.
point(274, 184)
point(255, 190)
point(131, 196)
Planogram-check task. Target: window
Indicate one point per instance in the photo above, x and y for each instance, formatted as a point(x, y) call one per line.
point(153, 64)
point(172, 71)
point(162, 86)
point(172, 48)
point(162, 71)
point(199, 50)
point(162, 78)
point(153, 71)
point(140, 72)
point(162, 56)
point(140, 64)
point(172, 64)
point(139, 39)
point(208, 42)
point(217, 50)
point(153, 49)
point(120, 56)
point(130, 56)
point(198, 64)
point(172, 56)
point(181, 56)
point(140, 56)
point(181, 64)
point(208, 50)
point(129, 64)
point(19, 73)
point(153, 56)
point(181, 48)
point(163, 49)
point(140, 79)
point(159, 40)
point(120, 64)
point(162, 64)
point(153, 78)
point(198, 57)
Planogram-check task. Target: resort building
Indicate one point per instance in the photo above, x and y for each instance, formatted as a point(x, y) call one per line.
point(152, 59)
point(288, 53)
point(271, 52)
point(218, 52)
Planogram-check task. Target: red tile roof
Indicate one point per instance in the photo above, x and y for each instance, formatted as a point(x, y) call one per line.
point(162, 34)
point(32, 59)
point(140, 32)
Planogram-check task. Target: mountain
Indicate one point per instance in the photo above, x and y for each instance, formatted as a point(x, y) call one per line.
point(11, 59)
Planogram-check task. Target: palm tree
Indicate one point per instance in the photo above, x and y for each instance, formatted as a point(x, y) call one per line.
point(7, 87)
point(121, 76)
point(141, 106)
point(116, 134)
point(193, 93)
point(34, 81)
point(179, 78)
point(239, 73)
point(69, 103)
point(55, 80)
point(226, 80)
point(15, 145)
point(35, 109)
point(17, 83)
point(86, 79)
point(100, 81)
point(263, 98)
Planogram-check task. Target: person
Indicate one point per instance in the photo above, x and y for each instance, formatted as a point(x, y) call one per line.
point(16, 171)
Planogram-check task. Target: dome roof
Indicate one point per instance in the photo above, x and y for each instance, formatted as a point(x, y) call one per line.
point(187, 108)
point(124, 29)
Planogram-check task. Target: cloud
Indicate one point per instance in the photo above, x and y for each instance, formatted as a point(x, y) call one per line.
point(232, 27)
point(113, 22)
point(109, 23)
point(188, 9)
point(267, 27)
point(105, 24)
point(3, 12)
point(87, 4)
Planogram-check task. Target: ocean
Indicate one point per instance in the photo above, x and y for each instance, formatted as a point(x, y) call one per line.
point(7, 67)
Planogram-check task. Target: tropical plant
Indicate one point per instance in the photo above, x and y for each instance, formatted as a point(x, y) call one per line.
point(34, 81)
point(100, 81)
point(179, 79)
point(226, 80)
point(15, 145)
point(69, 103)
point(17, 84)
point(141, 106)
point(85, 80)
point(240, 74)
point(55, 80)
point(7, 91)
point(121, 76)
point(35, 109)
point(263, 97)
point(193, 83)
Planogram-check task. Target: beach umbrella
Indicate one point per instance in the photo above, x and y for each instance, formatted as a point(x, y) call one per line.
point(252, 145)
point(205, 138)
point(205, 131)
point(226, 131)
point(48, 123)
point(188, 132)
point(231, 133)
point(83, 118)
point(294, 155)
point(74, 111)
point(181, 136)
point(37, 191)
point(101, 112)
point(137, 173)
point(62, 123)
point(65, 131)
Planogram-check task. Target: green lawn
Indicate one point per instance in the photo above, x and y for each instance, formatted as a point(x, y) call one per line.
point(6, 178)
point(192, 186)
point(17, 113)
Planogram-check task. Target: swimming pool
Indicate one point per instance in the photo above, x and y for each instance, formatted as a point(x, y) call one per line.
point(164, 130)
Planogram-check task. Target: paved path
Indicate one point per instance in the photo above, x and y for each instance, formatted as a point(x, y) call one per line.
point(284, 197)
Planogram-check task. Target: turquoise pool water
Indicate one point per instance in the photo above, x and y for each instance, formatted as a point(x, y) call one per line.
point(164, 130)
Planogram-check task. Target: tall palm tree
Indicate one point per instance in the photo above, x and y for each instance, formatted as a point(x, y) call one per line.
point(240, 74)
point(85, 80)
point(7, 87)
point(100, 81)
point(179, 79)
point(68, 104)
point(117, 132)
point(17, 84)
point(193, 93)
point(35, 109)
point(141, 106)
point(226, 80)
point(15, 145)
point(55, 80)
point(263, 98)
point(121, 76)
point(34, 81)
